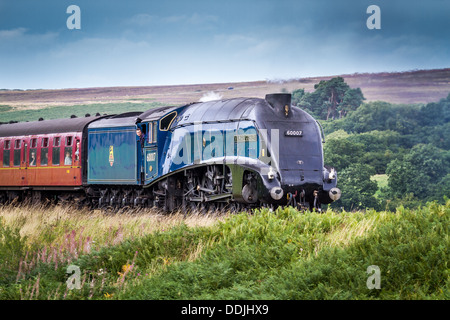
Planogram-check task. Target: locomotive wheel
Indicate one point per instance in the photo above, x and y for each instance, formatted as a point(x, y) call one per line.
point(206, 190)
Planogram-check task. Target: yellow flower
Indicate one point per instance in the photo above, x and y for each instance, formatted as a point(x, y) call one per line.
point(125, 269)
point(107, 295)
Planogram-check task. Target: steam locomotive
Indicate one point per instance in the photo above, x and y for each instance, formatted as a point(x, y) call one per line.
point(223, 154)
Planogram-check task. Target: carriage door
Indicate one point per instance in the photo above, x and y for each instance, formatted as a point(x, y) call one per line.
point(23, 161)
point(31, 161)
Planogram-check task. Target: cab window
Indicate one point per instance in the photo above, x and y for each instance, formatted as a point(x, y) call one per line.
point(152, 132)
point(164, 123)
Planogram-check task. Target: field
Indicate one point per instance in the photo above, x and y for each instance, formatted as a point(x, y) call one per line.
point(420, 86)
point(285, 254)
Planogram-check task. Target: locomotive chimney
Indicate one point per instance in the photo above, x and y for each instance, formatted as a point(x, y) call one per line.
point(280, 102)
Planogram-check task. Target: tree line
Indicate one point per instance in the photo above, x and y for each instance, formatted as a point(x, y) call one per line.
point(407, 142)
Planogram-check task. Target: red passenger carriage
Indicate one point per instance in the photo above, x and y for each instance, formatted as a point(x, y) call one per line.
point(42, 156)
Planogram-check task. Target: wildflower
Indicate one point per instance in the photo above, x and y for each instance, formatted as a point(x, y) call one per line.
point(125, 269)
point(107, 295)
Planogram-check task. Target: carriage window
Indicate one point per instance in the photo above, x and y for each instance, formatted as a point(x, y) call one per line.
point(77, 150)
point(17, 152)
point(165, 122)
point(33, 152)
point(68, 152)
point(44, 156)
point(6, 157)
point(56, 141)
point(16, 161)
point(44, 143)
point(6, 153)
point(68, 156)
point(33, 156)
point(56, 153)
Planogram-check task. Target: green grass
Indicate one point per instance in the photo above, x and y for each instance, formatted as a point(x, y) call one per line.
point(8, 113)
point(283, 254)
point(4, 108)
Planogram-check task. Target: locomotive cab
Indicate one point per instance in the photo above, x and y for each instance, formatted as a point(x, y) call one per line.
point(148, 150)
point(155, 124)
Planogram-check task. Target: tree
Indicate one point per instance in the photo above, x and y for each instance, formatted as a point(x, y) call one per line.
point(341, 153)
point(331, 98)
point(419, 172)
point(297, 96)
point(435, 113)
point(330, 94)
point(353, 98)
point(357, 189)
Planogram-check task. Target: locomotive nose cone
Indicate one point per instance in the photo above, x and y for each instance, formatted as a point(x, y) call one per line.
point(335, 194)
point(276, 193)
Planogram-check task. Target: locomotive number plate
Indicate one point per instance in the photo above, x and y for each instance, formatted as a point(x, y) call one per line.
point(293, 133)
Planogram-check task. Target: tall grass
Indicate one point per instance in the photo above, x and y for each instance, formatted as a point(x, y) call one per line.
point(284, 254)
point(36, 238)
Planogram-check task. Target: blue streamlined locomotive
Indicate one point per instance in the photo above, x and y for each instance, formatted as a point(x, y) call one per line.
point(235, 153)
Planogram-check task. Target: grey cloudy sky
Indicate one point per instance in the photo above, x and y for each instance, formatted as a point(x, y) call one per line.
point(128, 43)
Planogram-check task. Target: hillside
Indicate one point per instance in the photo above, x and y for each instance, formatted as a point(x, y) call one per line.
point(421, 86)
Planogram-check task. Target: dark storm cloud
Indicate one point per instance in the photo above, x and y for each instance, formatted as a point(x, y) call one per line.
point(173, 42)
